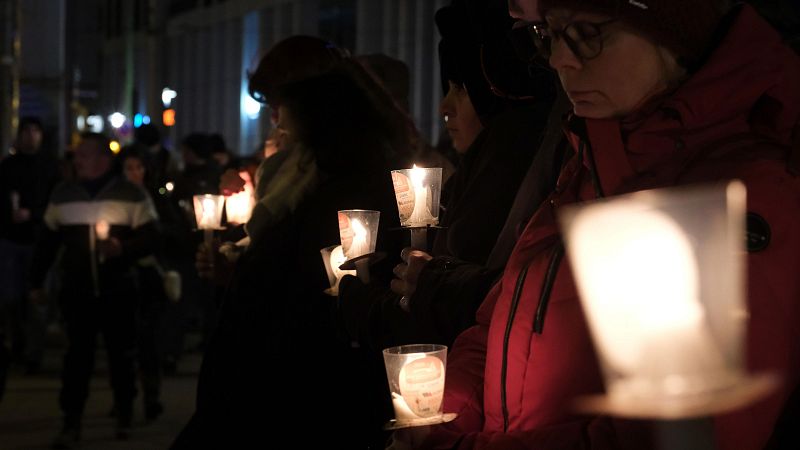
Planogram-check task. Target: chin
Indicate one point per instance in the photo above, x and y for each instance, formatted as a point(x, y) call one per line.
point(592, 111)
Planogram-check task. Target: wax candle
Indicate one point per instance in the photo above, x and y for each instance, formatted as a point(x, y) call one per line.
point(421, 215)
point(101, 228)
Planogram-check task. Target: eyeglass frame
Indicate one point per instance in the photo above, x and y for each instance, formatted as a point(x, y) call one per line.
point(544, 43)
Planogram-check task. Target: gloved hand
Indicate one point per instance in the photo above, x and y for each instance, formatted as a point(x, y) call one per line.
point(407, 273)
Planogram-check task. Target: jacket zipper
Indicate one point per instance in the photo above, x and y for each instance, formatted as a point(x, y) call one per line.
point(504, 368)
point(586, 149)
point(547, 287)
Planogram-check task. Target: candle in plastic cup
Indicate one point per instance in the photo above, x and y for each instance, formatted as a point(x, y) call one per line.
point(416, 375)
point(208, 211)
point(358, 231)
point(333, 257)
point(102, 228)
point(417, 192)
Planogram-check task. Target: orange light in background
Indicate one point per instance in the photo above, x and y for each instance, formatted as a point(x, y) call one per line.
point(114, 146)
point(168, 117)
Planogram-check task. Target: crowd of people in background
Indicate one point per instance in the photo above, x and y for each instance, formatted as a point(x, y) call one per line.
point(547, 103)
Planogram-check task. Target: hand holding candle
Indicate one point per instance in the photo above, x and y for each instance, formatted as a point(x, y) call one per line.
point(18, 214)
point(407, 274)
point(14, 198)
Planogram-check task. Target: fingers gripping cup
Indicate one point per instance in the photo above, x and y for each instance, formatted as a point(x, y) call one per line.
point(416, 375)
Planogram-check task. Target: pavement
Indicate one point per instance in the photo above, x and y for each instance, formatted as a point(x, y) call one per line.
point(30, 418)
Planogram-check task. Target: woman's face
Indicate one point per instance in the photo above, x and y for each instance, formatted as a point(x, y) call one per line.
point(460, 117)
point(627, 72)
point(134, 170)
point(285, 128)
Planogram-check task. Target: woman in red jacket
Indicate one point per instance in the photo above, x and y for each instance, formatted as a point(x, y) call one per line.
point(664, 92)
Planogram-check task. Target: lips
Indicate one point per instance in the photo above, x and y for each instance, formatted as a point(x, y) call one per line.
point(581, 95)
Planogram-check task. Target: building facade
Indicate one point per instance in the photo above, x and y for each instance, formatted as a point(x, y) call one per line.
point(203, 50)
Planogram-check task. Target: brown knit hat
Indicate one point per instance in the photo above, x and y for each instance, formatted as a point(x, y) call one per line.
point(686, 27)
point(292, 59)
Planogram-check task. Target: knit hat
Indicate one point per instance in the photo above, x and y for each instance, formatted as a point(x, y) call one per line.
point(292, 59)
point(475, 46)
point(686, 27)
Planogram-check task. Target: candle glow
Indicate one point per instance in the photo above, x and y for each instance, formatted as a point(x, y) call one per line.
point(421, 215)
point(658, 276)
point(102, 228)
point(359, 246)
point(239, 206)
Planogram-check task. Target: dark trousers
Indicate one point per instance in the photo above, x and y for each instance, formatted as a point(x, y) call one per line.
point(114, 317)
point(150, 311)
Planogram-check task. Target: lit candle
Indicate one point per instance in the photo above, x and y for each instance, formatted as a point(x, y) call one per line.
point(239, 206)
point(14, 196)
point(643, 282)
point(337, 259)
point(421, 216)
point(208, 217)
point(360, 245)
point(102, 228)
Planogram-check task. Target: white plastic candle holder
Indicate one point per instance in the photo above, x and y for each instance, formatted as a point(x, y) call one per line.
point(418, 191)
point(660, 275)
point(208, 214)
point(333, 257)
point(358, 231)
point(416, 375)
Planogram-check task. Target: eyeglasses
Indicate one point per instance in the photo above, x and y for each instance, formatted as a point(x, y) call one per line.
point(584, 39)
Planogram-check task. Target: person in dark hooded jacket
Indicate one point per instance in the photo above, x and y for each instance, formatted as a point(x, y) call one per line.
point(495, 111)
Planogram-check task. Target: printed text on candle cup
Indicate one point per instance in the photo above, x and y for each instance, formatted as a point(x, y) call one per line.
point(346, 232)
point(404, 194)
point(422, 385)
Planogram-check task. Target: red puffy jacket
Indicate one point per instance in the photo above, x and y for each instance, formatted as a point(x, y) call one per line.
point(513, 377)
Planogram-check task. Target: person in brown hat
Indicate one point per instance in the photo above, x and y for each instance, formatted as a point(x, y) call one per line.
point(664, 93)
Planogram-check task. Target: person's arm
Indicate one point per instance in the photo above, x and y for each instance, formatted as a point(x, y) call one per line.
point(447, 295)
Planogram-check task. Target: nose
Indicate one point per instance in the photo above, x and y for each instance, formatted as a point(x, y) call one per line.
point(562, 57)
point(447, 105)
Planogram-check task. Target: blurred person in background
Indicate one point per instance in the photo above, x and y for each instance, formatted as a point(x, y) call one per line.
point(104, 224)
point(26, 179)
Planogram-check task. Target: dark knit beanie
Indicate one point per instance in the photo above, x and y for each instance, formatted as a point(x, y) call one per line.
point(686, 27)
point(476, 31)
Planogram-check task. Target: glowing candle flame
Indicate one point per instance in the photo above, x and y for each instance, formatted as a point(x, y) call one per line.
point(359, 246)
point(421, 216)
point(101, 228)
